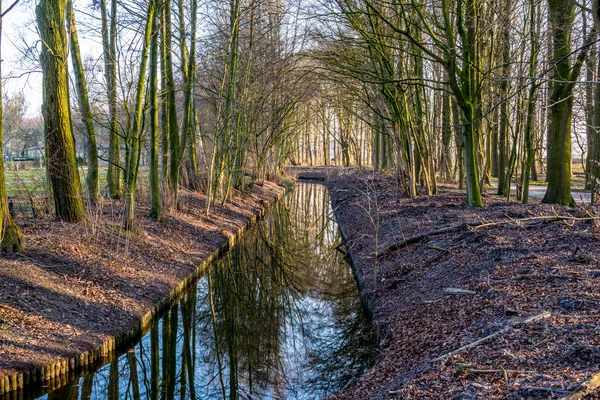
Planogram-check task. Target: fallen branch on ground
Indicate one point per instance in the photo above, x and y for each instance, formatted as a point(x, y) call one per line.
point(473, 227)
point(458, 292)
point(586, 388)
point(496, 371)
point(416, 238)
point(507, 328)
point(546, 390)
point(428, 247)
point(470, 345)
point(580, 316)
point(544, 218)
point(421, 368)
point(533, 276)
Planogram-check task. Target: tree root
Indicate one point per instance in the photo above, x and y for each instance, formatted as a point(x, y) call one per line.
point(476, 371)
point(12, 238)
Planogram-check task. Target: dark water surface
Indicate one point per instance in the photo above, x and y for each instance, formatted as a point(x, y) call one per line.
point(279, 317)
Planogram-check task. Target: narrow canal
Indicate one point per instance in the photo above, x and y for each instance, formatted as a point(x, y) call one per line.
point(278, 317)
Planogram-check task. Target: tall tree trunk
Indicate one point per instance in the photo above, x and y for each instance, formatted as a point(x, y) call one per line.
point(445, 151)
point(164, 103)
point(135, 135)
point(564, 75)
point(532, 98)
point(494, 144)
point(503, 137)
point(156, 210)
point(84, 107)
point(171, 106)
point(188, 68)
point(229, 147)
point(460, 158)
point(464, 90)
point(62, 165)
point(593, 173)
point(589, 104)
point(109, 45)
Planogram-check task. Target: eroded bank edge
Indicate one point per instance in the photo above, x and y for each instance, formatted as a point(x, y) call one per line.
point(366, 296)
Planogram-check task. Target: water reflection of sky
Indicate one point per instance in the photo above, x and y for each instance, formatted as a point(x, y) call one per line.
point(277, 318)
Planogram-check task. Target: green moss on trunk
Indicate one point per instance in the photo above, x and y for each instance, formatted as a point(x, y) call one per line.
point(60, 143)
point(561, 16)
point(84, 108)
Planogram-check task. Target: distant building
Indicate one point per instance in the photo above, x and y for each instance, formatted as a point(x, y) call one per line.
point(33, 152)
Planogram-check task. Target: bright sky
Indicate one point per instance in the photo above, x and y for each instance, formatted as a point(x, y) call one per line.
point(19, 32)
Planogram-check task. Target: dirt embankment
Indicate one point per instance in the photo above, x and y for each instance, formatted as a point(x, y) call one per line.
point(75, 286)
point(501, 302)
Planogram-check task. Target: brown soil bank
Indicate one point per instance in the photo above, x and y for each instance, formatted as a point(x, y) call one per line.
point(501, 302)
point(78, 289)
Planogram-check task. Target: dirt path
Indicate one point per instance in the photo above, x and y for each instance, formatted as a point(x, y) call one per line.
point(508, 310)
point(538, 192)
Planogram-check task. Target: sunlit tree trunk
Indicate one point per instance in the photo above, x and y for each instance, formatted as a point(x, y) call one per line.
point(164, 104)
point(188, 69)
point(135, 135)
point(421, 141)
point(156, 210)
point(62, 165)
point(594, 143)
point(504, 89)
point(84, 107)
point(109, 45)
point(593, 165)
point(445, 153)
point(170, 106)
point(564, 75)
point(463, 90)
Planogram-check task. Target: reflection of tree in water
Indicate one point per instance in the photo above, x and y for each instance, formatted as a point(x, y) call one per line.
point(339, 360)
point(278, 317)
point(288, 312)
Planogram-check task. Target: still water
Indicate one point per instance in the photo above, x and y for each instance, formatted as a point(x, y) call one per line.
point(279, 317)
